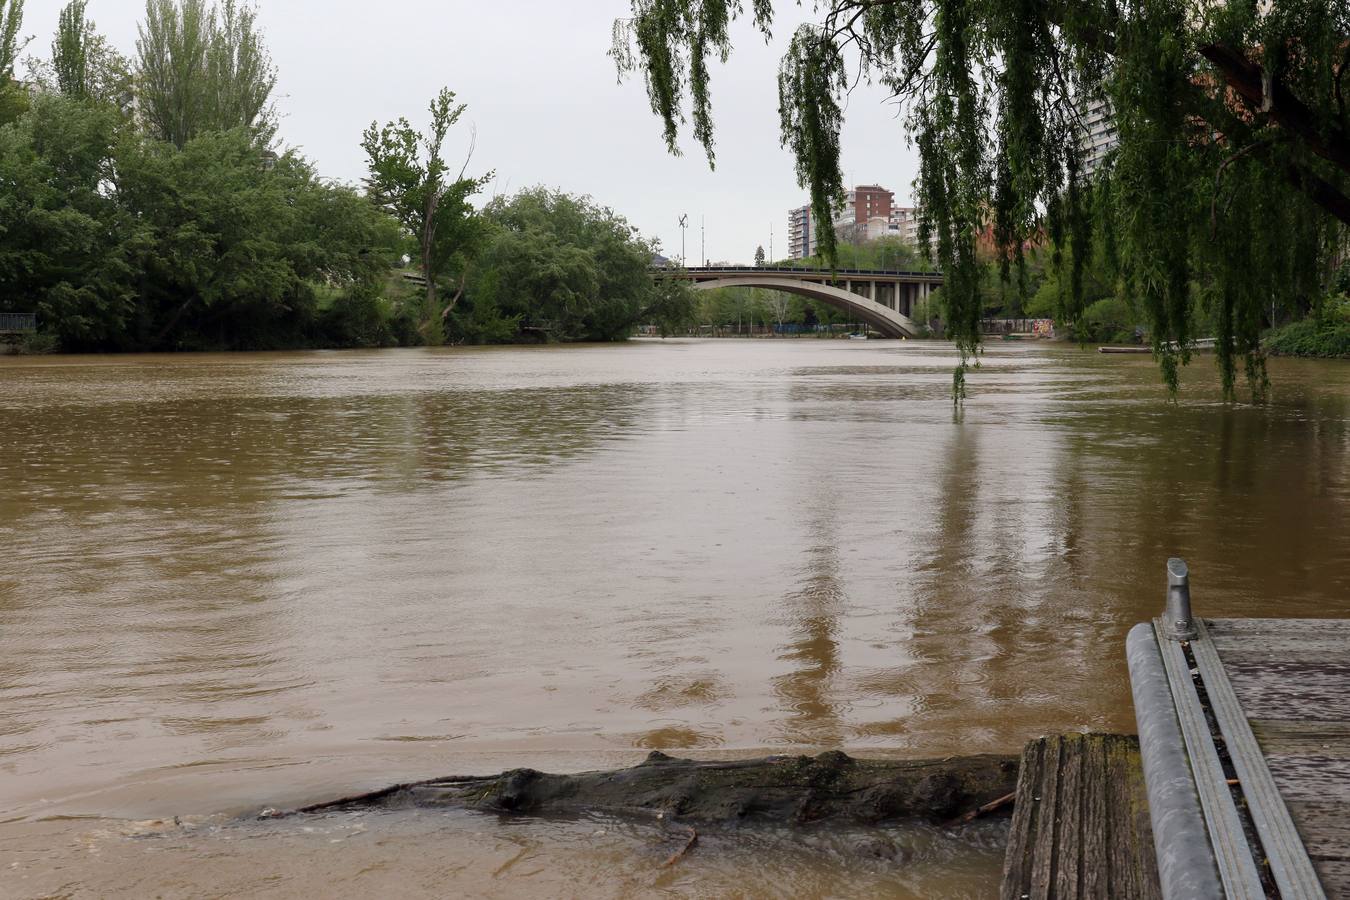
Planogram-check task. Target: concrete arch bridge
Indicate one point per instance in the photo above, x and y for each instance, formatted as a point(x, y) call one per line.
point(882, 298)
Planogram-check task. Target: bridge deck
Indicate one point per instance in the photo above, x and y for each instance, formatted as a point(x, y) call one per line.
point(805, 271)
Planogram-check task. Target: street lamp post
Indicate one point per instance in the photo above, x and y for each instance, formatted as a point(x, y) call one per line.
point(684, 223)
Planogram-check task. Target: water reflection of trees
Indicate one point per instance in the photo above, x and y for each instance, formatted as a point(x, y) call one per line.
point(812, 611)
point(153, 537)
point(192, 451)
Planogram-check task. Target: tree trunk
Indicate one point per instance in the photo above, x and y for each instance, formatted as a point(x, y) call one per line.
point(431, 322)
point(787, 789)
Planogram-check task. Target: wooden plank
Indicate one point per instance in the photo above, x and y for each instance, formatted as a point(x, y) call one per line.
point(1285, 651)
point(1312, 778)
point(1325, 827)
point(1096, 825)
point(1304, 630)
point(1081, 829)
point(1133, 866)
point(1286, 737)
point(1044, 856)
point(1021, 835)
point(1069, 810)
point(1121, 876)
point(1274, 689)
point(1335, 874)
point(1326, 832)
point(1274, 640)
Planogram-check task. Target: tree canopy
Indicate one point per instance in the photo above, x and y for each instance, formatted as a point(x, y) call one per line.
point(1226, 196)
point(203, 68)
point(566, 268)
point(122, 242)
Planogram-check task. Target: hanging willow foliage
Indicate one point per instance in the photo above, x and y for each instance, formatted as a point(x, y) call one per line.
point(1225, 201)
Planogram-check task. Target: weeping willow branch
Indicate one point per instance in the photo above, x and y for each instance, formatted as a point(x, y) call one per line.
point(993, 93)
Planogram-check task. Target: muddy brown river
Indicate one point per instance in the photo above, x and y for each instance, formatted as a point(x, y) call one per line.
point(236, 581)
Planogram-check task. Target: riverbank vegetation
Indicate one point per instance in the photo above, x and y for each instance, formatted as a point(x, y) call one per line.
point(150, 203)
point(1323, 334)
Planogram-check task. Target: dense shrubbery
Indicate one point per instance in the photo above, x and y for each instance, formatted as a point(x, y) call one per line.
point(1109, 320)
point(1325, 334)
point(1310, 338)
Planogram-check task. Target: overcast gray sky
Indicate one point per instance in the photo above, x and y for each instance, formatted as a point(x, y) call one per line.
point(543, 97)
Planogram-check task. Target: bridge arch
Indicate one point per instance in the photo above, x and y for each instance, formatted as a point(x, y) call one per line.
point(882, 318)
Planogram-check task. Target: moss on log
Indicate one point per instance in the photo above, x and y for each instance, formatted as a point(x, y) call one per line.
point(785, 789)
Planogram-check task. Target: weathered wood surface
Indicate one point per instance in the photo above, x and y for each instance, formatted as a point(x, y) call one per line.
point(1080, 825)
point(786, 789)
point(1285, 737)
point(1292, 677)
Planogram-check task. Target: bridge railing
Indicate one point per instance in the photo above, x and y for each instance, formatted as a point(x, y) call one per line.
point(799, 270)
point(18, 323)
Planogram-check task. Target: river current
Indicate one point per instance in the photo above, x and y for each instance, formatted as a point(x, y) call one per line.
point(239, 581)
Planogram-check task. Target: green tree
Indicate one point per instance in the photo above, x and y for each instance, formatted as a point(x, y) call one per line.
point(83, 64)
point(1226, 194)
point(70, 50)
point(12, 99)
point(759, 255)
point(11, 20)
point(564, 267)
point(408, 177)
point(230, 255)
point(779, 305)
point(63, 238)
point(671, 306)
point(203, 69)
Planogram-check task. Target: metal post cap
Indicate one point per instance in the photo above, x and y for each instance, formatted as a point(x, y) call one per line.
point(1177, 573)
point(1177, 621)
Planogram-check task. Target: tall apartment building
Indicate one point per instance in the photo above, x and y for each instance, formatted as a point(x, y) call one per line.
point(865, 202)
point(801, 233)
point(1099, 134)
point(869, 211)
point(904, 223)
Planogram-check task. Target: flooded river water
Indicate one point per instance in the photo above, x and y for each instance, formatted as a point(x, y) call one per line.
point(240, 581)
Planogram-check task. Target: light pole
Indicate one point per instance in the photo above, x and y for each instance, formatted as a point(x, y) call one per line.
point(702, 241)
point(684, 223)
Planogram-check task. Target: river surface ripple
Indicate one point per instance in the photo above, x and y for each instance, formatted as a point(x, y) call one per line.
point(232, 581)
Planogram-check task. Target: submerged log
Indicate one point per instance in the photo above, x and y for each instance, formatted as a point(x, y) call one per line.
point(786, 789)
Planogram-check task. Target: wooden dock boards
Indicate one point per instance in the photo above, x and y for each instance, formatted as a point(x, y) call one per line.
point(1292, 677)
point(1080, 827)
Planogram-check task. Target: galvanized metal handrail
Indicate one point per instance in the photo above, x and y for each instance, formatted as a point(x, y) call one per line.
point(1187, 869)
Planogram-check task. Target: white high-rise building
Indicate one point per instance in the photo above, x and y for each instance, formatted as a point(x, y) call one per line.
point(904, 223)
point(1099, 134)
point(802, 237)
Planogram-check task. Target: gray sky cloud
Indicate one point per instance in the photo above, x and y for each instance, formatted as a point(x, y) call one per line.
point(543, 97)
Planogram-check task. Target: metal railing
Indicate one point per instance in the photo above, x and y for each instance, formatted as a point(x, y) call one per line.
point(799, 270)
point(18, 323)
